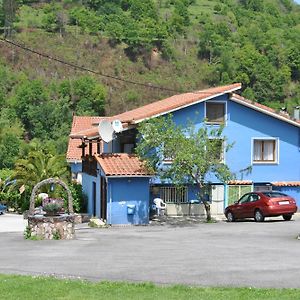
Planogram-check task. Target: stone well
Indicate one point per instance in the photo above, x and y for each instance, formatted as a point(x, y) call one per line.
point(52, 227)
point(60, 226)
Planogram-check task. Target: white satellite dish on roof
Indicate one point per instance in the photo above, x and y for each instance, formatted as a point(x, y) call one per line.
point(106, 131)
point(117, 125)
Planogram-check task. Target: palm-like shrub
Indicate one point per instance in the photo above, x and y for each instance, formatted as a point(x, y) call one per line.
point(39, 166)
point(35, 168)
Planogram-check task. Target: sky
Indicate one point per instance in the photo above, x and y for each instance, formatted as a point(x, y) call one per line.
point(297, 1)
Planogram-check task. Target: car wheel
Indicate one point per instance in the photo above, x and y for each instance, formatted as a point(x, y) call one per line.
point(287, 217)
point(258, 216)
point(230, 217)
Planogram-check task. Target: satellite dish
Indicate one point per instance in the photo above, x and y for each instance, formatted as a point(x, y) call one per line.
point(117, 125)
point(106, 131)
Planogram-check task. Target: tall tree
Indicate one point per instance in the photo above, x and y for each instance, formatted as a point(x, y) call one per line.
point(195, 154)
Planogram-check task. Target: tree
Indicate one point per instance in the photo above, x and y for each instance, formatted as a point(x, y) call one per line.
point(195, 154)
point(39, 166)
point(87, 96)
point(55, 19)
point(11, 133)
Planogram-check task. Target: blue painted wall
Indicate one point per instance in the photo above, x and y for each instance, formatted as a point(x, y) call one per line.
point(291, 191)
point(76, 167)
point(122, 192)
point(242, 125)
point(87, 187)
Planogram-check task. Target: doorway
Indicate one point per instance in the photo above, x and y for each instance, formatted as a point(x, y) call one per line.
point(103, 198)
point(94, 198)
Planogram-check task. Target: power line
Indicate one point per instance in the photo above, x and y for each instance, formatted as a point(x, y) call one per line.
point(72, 65)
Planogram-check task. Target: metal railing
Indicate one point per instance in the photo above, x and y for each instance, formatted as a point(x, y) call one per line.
point(172, 194)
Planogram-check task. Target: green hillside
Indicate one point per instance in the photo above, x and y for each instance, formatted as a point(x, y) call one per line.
point(179, 45)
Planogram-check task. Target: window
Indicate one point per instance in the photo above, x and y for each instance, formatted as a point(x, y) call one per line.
point(253, 197)
point(244, 199)
point(215, 112)
point(275, 195)
point(264, 151)
point(172, 194)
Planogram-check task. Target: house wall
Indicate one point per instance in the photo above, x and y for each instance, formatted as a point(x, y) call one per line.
point(76, 167)
point(87, 187)
point(122, 192)
point(242, 125)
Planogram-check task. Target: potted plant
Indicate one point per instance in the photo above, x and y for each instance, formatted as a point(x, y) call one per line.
point(52, 209)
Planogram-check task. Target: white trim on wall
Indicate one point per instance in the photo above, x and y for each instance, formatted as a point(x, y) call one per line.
point(277, 152)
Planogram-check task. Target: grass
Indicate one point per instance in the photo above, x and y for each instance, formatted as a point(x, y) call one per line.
point(26, 287)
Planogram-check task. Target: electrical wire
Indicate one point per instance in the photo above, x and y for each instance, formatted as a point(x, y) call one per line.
point(72, 65)
point(84, 69)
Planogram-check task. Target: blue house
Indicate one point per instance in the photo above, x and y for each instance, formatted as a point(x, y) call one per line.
point(119, 187)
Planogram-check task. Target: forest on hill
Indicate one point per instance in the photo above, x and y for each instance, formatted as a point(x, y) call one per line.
point(178, 45)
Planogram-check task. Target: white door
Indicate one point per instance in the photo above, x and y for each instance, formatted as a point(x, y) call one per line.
point(217, 197)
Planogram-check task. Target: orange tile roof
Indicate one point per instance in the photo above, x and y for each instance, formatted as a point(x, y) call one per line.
point(154, 109)
point(174, 103)
point(122, 164)
point(80, 124)
point(239, 182)
point(265, 109)
point(286, 183)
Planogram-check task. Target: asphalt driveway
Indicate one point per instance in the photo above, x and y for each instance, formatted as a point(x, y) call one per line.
point(219, 254)
point(12, 223)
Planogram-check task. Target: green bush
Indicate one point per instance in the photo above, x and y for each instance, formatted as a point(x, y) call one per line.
point(79, 199)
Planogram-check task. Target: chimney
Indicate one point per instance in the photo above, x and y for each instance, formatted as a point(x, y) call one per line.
point(297, 113)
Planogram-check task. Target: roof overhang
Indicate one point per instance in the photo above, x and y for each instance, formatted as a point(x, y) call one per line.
point(286, 183)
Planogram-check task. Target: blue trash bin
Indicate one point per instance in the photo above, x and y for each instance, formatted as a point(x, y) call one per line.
point(130, 209)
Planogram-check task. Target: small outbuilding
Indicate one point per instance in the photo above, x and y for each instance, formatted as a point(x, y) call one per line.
point(117, 187)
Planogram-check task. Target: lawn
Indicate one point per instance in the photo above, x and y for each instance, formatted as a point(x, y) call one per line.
point(27, 287)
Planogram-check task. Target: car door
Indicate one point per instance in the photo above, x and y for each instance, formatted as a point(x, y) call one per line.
point(241, 206)
point(250, 205)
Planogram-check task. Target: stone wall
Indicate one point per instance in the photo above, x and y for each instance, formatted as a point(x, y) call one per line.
point(54, 227)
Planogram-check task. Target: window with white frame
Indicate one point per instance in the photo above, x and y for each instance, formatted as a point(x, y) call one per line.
point(173, 194)
point(265, 151)
point(215, 112)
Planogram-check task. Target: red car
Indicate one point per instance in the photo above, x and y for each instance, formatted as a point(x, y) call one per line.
point(259, 205)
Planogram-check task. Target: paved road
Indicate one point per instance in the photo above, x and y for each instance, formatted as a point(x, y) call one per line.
point(12, 223)
point(221, 254)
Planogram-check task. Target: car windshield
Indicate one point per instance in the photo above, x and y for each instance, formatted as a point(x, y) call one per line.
point(274, 194)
